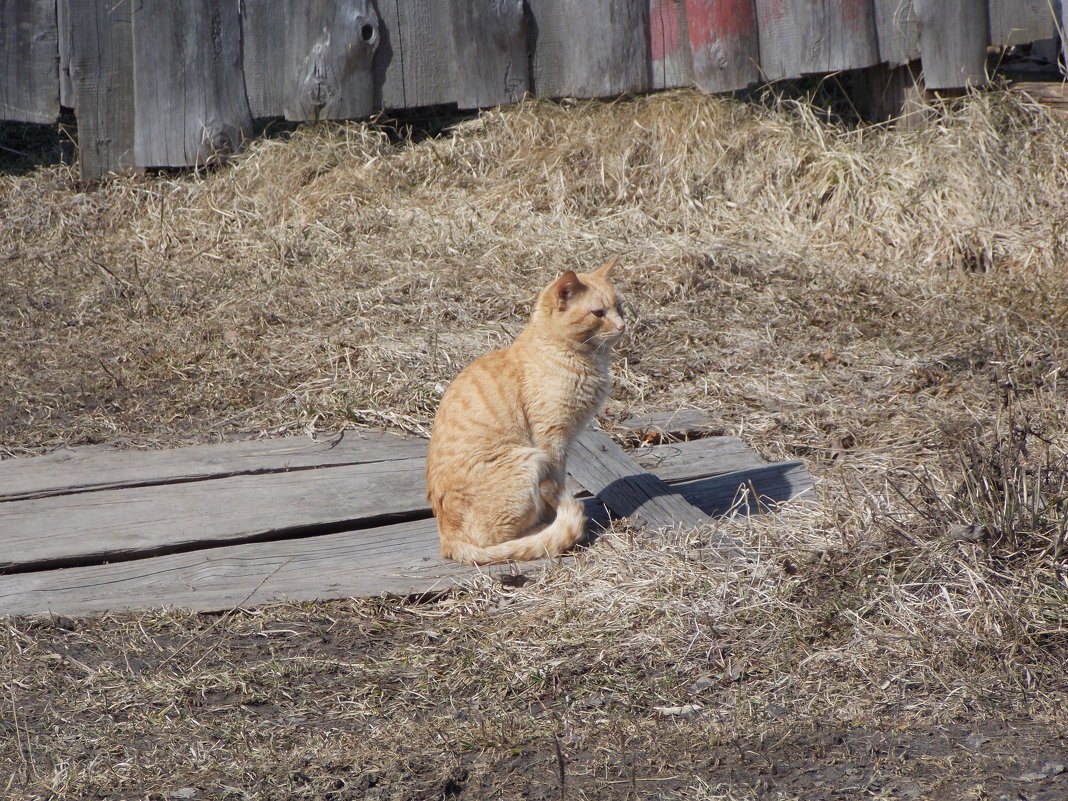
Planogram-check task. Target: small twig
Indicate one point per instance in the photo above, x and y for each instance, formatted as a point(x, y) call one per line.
point(560, 766)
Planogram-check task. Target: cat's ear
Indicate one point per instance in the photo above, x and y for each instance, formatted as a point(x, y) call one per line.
point(566, 287)
point(602, 271)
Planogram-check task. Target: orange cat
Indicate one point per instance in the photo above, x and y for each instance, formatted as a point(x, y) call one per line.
point(495, 469)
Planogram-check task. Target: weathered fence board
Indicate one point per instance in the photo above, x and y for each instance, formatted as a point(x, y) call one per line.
point(670, 63)
point(263, 33)
point(99, 40)
point(330, 48)
point(899, 37)
point(593, 49)
point(63, 37)
point(953, 55)
point(413, 62)
point(724, 43)
point(837, 35)
point(189, 90)
point(489, 46)
point(29, 61)
point(780, 39)
point(1021, 21)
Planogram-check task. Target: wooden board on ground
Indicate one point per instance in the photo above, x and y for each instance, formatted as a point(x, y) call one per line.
point(206, 529)
point(29, 61)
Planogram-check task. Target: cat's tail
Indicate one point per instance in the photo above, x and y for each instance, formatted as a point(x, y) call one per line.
point(551, 540)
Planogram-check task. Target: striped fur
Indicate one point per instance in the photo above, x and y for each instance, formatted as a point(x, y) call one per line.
point(496, 463)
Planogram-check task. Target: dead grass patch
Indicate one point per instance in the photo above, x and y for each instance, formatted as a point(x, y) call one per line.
point(888, 306)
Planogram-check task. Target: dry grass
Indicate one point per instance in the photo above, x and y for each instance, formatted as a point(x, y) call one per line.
point(888, 306)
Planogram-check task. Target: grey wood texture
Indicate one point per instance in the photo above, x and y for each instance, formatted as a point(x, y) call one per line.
point(63, 36)
point(114, 524)
point(780, 39)
point(489, 46)
point(398, 559)
point(837, 35)
point(724, 43)
point(263, 31)
point(100, 65)
point(189, 91)
point(670, 64)
point(899, 38)
point(602, 467)
point(330, 48)
point(100, 467)
point(597, 48)
point(681, 423)
point(413, 62)
point(29, 61)
point(698, 458)
point(1021, 21)
point(954, 56)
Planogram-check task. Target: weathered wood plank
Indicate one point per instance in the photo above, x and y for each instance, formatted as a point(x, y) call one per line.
point(189, 94)
point(29, 61)
point(625, 487)
point(101, 467)
point(100, 63)
point(114, 524)
point(263, 30)
point(698, 458)
point(412, 66)
point(899, 38)
point(953, 37)
point(489, 45)
point(677, 424)
point(1021, 21)
point(330, 48)
point(669, 52)
point(780, 39)
point(397, 559)
point(724, 43)
point(63, 41)
point(592, 49)
point(837, 35)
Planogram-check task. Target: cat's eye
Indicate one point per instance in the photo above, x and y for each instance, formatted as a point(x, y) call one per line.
point(597, 312)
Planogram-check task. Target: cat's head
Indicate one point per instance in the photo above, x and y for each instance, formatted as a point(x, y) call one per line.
point(584, 309)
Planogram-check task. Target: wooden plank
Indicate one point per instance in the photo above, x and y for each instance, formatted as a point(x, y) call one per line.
point(724, 43)
point(63, 41)
point(699, 458)
point(596, 48)
point(330, 48)
point(29, 61)
point(489, 46)
point(1014, 22)
point(896, 27)
point(780, 39)
point(119, 524)
point(102, 467)
point(953, 37)
point(189, 94)
point(398, 559)
point(263, 30)
point(412, 66)
point(837, 35)
point(677, 424)
point(669, 51)
point(625, 487)
point(100, 62)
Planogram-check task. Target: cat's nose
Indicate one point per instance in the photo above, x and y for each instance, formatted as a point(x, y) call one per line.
point(621, 327)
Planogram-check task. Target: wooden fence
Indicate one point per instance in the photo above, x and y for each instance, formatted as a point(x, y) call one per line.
point(158, 83)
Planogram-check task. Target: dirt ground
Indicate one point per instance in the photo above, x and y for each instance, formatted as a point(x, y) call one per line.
point(889, 307)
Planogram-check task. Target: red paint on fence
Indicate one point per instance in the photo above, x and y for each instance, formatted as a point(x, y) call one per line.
point(712, 20)
point(664, 29)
